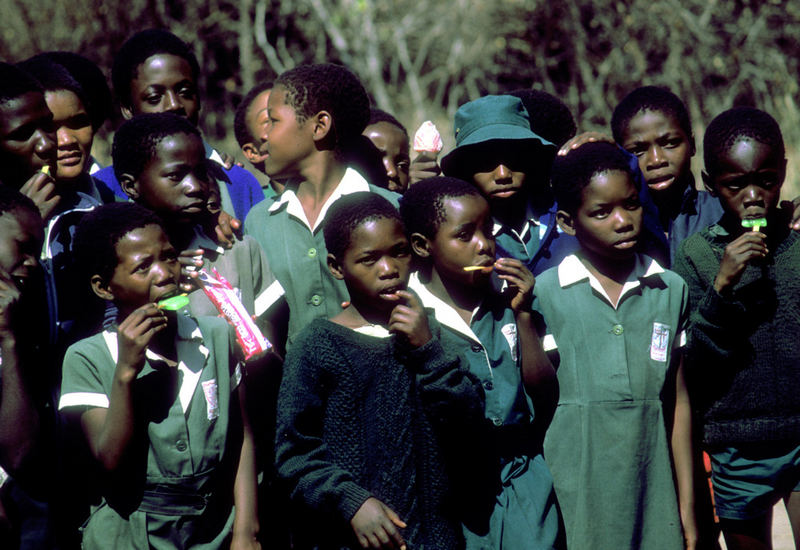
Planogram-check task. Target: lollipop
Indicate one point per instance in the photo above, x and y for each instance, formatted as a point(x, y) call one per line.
point(755, 223)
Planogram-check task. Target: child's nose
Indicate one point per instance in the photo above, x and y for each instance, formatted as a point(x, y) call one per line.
point(655, 156)
point(173, 102)
point(622, 218)
point(753, 194)
point(45, 143)
point(64, 137)
point(388, 267)
point(193, 185)
point(391, 169)
point(502, 172)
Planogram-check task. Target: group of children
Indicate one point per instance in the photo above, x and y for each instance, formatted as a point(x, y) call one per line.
point(497, 357)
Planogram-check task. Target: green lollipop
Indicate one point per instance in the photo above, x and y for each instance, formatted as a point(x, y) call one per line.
point(755, 223)
point(174, 303)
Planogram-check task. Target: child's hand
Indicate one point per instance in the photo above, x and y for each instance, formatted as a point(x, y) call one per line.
point(409, 320)
point(134, 334)
point(423, 167)
point(375, 526)
point(520, 283)
point(749, 246)
point(191, 261)
point(9, 300)
point(226, 228)
point(581, 139)
point(41, 189)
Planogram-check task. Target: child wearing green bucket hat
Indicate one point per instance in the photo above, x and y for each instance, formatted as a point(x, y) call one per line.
point(498, 151)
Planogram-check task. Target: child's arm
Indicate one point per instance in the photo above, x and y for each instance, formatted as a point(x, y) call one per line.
point(538, 374)
point(749, 246)
point(109, 431)
point(19, 419)
point(245, 523)
point(682, 457)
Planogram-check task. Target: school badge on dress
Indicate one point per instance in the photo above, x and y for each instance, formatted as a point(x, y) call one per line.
point(211, 392)
point(659, 342)
point(510, 332)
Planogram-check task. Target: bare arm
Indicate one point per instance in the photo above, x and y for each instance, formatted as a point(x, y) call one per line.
point(682, 457)
point(245, 523)
point(109, 431)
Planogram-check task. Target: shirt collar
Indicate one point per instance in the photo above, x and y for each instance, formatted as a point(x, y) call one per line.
point(351, 182)
point(572, 271)
point(201, 240)
point(530, 221)
point(446, 315)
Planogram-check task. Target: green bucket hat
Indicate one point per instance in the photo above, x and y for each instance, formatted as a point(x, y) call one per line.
point(490, 118)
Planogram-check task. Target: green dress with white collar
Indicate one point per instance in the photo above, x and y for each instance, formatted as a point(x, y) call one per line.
point(177, 486)
point(608, 445)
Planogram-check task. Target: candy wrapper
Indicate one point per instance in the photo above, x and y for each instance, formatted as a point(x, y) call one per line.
point(427, 139)
point(224, 298)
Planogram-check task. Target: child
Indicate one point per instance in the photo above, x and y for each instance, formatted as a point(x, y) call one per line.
point(27, 427)
point(617, 318)
point(317, 114)
point(249, 125)
point(27, 138)
point(653, 124)
point(160, 163)
point(158, 399)
point(743, 367)
point(450, 227)
point(366, 397)
point(155, 71)
point(391, 139)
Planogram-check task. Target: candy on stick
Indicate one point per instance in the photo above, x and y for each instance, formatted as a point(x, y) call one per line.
point(174, 303)
point(755, 223)
point(484, 268)
point(46, 170)
point(428, 140)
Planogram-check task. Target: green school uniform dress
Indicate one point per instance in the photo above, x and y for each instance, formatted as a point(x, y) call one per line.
point(524, 514)
point(608, 446)
point(296, 251)
point(177, 486)
point(244, 266)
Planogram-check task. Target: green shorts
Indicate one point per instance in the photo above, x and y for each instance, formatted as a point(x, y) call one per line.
point(750, 479)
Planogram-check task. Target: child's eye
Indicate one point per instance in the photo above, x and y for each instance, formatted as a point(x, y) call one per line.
point(673, 143)
point(175, 176)
point(599, 214)
point(187, 92)
point(153, 99)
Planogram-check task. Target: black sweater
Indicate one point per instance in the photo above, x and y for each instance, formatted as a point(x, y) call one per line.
point(743, 365)
point(359, 416)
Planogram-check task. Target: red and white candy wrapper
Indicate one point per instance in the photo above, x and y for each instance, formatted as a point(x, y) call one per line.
point(224, 298)
point(428, 139)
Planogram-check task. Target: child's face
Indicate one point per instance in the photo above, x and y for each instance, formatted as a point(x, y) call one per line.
point(463, 239)
point(748, 178)
point(289, 142)
point(377, 263)
point(500, 182)
point(27, 139)
point(148, 269)
point(164, 83)
point(663, 149)
point(174, 183)
point(393, 145)
point(74, 133)
point(21, 238)
point(609, 219)
point(257, 121)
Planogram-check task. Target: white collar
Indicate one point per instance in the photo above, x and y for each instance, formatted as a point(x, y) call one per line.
point(571, 271)
point(444, 313)
point(351, 182)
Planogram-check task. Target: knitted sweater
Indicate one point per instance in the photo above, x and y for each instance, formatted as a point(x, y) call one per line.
point(358, 417)
point(743, 365)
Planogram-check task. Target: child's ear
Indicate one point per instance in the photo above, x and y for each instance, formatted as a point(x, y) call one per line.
point(323, 123)
point(566, 222)
point(335, 267)
point(421, 245)
point(708, 183)
point(101, 288)
point(251, 152)
point(130, 185)
point(692, 146)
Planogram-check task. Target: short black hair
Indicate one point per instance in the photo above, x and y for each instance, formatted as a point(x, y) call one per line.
point(573, 172)
point(649, 98)
point(137, 49)
point(99, 103)
point(422, 205)
point(349, 212)
point(328, 87)
point(15, 82)
point(136, 140)
point(736, 123)
point(11, 199)
point(53, 77)
point(379, 115)
point(549, 116)
point(97, 235)
point(240, 129)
